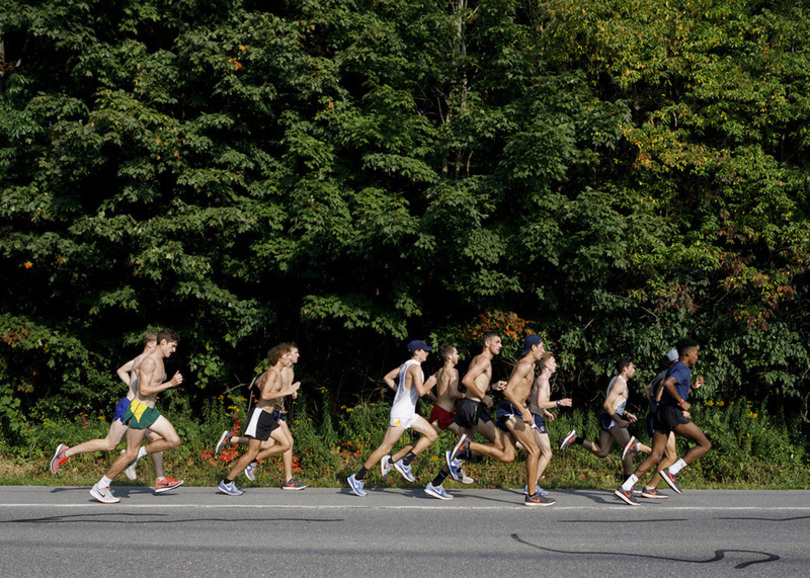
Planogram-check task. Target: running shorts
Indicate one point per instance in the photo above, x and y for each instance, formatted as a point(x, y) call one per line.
point(539, 423)
point(140, 416)
point(469, 412)
point(260, 424)
point(668, 418)
point(121, 410)
point(442, 416)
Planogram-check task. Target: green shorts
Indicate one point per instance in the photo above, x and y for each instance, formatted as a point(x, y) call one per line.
point(140, 416)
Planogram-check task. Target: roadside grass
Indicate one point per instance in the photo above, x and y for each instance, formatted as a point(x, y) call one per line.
point(751, 450)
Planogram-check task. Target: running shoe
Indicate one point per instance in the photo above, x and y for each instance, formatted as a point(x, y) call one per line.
point(462, 444)
point(224, 440)
point(250, 471)
point(671, 480)
point(653, 494)
point(104, 496)
point(437, 492)
point(636, 491)
point(293, 484)
point(59, 458)
point(631, 447)
point(538, 500)
point(538, 489)
point(230, 488)
point(404, 470)
point(628, 497)
point(569, 438)
point(465, 479)
point(385, 466)
point(453, 466)
point(167, 484)
point(356, 486)
point(130, 470)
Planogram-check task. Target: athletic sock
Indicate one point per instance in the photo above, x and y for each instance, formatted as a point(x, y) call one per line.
point(141, 453)
point(104, 482)
point(629, 483)
point(579, 440)
point(406, 461)
point(677, 466)
point(361, 473)
point(439, 479)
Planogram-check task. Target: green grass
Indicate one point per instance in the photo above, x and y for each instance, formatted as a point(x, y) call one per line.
point(751, 450)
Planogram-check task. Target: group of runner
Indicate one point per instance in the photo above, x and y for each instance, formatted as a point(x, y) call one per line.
point(520, 420)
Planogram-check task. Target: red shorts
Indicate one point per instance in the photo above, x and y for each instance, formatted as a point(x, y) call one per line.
point(444, 417)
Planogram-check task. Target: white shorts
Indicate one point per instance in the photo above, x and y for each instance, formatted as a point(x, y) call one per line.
point(405, 421)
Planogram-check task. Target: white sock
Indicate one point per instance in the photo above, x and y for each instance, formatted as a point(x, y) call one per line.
point(104, 483)
point(677, 467)
point(141, 453)
point(629, 483)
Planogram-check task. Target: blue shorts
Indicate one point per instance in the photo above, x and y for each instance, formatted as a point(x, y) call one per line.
point(279, 415)
point(539, 423)
point(121, 410)
point(505, 411)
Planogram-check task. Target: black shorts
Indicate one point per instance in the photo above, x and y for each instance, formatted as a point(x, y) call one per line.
point(260, 424)
point(469, 412)
point(668, 418)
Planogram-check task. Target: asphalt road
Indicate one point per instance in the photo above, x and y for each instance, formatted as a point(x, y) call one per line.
point(61, 531)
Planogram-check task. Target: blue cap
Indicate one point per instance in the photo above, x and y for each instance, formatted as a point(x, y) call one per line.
point(416, 345)
point(530, 342)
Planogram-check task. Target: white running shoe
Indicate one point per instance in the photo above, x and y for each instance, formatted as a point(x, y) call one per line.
point(385, 466)
point(104, 496)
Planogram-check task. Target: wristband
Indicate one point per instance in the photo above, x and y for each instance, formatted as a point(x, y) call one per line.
point(558, 403)
point(680, 403)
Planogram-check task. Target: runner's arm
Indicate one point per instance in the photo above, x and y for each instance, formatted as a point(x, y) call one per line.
point(124, 372)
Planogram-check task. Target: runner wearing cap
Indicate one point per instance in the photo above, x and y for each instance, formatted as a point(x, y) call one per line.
point(411, 387)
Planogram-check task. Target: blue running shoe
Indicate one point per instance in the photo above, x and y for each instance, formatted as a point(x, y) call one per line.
point(538, 489)
point(230, 488)
point(404, 470)
point(453, 466)
point(437, 492)
point(250, 471)
point(356, 486)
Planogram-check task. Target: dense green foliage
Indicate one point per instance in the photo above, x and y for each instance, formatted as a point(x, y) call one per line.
point(351, 174)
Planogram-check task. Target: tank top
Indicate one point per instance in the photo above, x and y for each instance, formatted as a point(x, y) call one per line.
point(405, 399)
point(619, 409)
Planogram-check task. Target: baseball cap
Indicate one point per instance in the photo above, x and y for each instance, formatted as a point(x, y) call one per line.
point(416, 345)
point(529, 342)
point(672, 355)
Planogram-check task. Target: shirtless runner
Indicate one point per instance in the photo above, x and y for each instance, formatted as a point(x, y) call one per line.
point(142, 414)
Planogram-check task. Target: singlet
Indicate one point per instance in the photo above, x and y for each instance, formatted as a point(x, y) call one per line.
point(619, 409)
point(405, 399)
